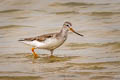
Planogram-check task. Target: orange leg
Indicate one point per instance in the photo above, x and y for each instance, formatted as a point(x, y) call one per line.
point(35, 55)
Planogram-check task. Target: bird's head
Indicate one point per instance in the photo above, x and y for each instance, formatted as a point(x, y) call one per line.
point(68, 25)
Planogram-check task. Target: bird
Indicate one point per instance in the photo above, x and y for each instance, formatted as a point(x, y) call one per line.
point(49, 41)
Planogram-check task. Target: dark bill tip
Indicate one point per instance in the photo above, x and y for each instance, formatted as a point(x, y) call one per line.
point(78, 34)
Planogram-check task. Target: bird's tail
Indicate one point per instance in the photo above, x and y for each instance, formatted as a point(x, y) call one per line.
point(21, 39)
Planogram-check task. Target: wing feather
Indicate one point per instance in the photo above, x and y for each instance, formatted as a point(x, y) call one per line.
point(39, 38)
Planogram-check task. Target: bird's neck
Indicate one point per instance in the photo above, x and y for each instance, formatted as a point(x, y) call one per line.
point(64, 31)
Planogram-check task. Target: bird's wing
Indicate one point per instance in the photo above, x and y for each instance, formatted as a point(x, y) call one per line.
point(39, 38)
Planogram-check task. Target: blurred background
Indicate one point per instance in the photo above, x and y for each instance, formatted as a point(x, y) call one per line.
point(96, 56)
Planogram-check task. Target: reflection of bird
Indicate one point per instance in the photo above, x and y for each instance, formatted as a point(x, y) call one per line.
point(49, 41)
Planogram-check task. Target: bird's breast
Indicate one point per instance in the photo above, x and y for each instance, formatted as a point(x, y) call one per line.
point(53, 43)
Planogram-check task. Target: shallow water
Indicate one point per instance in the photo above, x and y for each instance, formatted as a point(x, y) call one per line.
point(96, 56)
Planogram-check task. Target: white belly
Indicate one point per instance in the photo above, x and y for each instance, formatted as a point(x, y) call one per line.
point(50, 43)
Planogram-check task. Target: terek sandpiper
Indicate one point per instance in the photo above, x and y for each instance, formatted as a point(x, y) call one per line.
point(49, 41)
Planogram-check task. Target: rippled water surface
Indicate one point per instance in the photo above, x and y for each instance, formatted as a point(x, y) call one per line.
point(96, 56)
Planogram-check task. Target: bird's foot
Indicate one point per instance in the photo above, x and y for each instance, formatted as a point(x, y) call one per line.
point(36, 56)
point(52, 56)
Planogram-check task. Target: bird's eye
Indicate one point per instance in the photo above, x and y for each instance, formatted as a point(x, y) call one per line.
point(67, 25)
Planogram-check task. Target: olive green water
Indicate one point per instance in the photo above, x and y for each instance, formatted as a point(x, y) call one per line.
point(96, 56)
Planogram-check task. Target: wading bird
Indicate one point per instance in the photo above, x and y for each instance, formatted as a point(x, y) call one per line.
point(49, 41)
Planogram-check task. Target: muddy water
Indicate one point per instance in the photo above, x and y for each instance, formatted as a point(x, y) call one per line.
point(96, 56)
